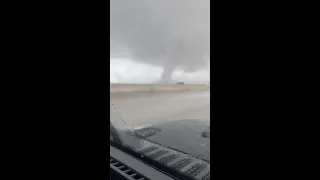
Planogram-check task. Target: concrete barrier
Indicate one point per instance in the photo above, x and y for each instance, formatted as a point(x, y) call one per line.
point(156, 87)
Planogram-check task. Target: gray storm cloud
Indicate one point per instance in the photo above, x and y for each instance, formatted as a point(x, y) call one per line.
point(169, 33)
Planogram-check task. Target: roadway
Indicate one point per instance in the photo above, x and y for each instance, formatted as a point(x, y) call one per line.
point(142, 108)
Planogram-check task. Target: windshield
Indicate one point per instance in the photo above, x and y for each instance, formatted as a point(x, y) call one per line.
point(160, 80)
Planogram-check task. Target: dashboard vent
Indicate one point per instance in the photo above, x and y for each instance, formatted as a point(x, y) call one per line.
point(181, 163)
point(148, 149)
point(169, 158)
point(195, 168)
point(131, 174)
point(158, 154)
point(206, 177)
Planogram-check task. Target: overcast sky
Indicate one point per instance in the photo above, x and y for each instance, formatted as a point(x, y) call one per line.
point(157, 35)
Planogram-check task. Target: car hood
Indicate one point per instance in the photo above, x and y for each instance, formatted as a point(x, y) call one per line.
point(190, 136)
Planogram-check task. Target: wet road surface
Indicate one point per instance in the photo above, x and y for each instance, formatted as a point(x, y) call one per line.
point(144, 108)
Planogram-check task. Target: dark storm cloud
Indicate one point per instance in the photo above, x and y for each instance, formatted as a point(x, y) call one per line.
point(170, 33)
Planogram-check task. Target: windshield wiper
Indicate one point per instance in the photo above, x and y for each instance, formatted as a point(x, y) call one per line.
point(114, 135)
